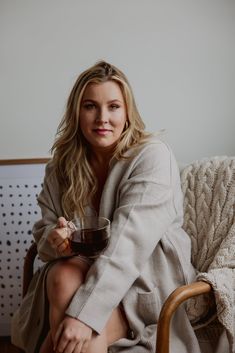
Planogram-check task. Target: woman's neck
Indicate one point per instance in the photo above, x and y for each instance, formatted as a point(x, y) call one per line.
point(100, 165)
point(101, 158)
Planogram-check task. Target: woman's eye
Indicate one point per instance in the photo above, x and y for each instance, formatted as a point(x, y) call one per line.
point(89, 106)
point(114, 106)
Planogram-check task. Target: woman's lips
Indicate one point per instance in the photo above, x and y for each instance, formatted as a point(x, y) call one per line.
point(102, 132)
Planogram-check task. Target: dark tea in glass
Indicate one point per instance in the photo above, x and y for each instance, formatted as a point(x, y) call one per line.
point(90, 237)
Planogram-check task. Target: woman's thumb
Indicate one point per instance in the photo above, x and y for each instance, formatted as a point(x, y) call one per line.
point(62, 222)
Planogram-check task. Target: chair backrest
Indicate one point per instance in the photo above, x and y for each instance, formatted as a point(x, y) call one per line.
point(209, 209)
point(20, 183)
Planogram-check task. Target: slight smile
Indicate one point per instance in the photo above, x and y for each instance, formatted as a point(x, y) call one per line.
point(102, 132)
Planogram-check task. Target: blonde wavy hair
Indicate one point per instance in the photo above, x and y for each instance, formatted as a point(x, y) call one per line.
point(71, 150)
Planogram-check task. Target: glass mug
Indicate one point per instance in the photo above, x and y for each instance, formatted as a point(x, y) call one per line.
point(89, 236)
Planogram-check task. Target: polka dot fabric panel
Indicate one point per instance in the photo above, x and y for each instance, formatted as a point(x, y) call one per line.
point(19, 188)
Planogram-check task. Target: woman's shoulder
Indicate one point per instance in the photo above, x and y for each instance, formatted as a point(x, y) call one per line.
point(155, 156)
point(152, 148)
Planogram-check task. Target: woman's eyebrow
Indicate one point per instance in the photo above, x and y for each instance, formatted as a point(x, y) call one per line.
point(114, 100)
point(94, 101)
point(89, 100)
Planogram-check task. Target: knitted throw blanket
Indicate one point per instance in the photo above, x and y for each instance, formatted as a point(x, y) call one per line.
point(209, 219)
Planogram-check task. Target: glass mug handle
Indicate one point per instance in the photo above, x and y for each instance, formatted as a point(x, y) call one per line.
point(90, 236)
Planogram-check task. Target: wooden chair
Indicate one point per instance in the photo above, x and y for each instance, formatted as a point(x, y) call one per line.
point(175, 299)
point(208, 186)
point(28, 267)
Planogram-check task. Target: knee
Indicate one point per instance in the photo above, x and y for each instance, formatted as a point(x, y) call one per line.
point(63, 279)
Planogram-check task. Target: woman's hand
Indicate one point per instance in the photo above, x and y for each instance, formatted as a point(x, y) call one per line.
point(59, 237)
point(72, 336)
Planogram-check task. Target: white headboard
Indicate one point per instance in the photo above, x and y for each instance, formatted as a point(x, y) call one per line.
point(20, 183)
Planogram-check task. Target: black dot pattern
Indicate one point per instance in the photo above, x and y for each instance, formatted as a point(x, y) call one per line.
point(19, 188)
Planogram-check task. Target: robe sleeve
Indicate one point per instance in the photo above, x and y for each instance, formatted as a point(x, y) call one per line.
point(49, 202)
point(145, 211)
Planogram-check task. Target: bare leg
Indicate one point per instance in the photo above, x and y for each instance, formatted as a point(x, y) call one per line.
point(60, 292)
point(116, 328)
point(63, 280)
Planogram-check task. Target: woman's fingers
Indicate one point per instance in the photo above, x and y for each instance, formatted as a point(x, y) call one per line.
point(85, 346)
point(72, 336)
point(75, 347)
point(59, 240)
point(63, 246)
point(62, 222)
point(71, 347)
point(57, 236)
point(79, 348)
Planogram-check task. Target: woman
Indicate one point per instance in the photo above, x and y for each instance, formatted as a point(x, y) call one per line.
point(105, 163)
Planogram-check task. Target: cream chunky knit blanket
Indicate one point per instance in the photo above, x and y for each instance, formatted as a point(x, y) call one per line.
point(209, 219)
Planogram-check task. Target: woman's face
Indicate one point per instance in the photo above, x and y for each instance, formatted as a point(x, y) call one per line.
point(102, 114)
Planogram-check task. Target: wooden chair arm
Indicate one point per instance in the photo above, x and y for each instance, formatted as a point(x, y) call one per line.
point(28, 267)
point(177, 297)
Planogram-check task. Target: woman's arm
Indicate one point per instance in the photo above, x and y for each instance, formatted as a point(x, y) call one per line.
point(49, 202)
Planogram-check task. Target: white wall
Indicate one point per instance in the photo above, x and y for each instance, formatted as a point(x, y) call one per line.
point(179, 56)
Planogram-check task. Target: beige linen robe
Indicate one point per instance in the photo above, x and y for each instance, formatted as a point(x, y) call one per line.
point(148, 255)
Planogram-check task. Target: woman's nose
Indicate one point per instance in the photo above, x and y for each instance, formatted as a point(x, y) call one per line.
point(102, 116)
